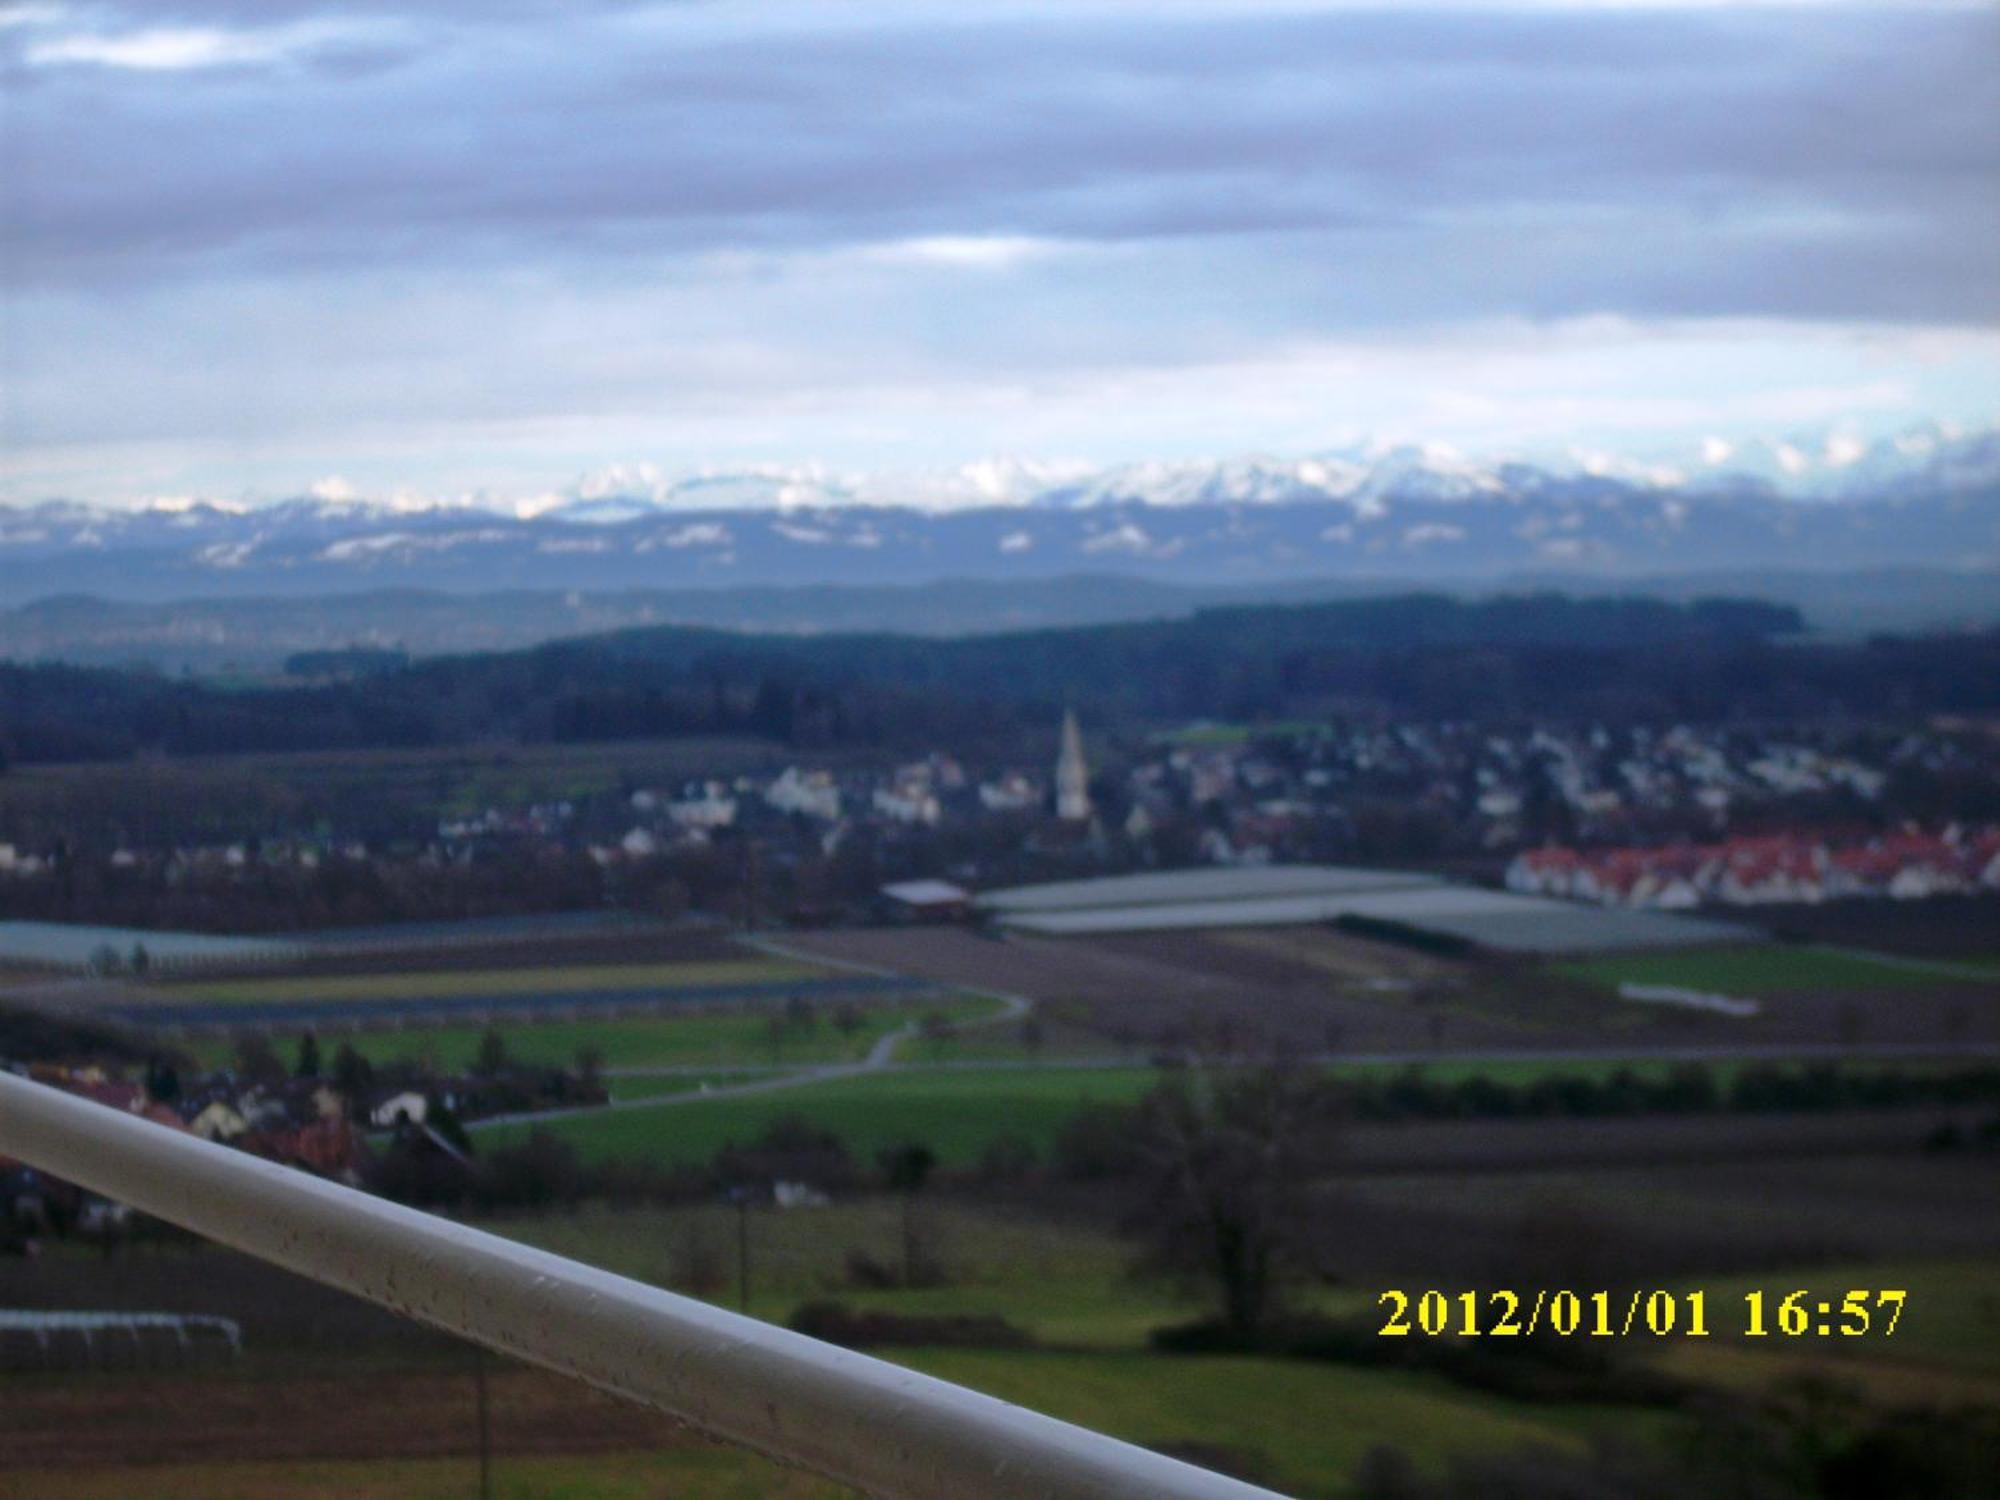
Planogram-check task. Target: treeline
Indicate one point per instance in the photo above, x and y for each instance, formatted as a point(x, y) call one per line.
point(1100, 1142)
point(1426, 657)
point(1105, 1142)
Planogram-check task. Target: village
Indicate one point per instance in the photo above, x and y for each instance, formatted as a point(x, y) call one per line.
point(340, 1124)
point(1673, 816)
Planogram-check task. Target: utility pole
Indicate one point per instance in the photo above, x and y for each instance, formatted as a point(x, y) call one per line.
point(740, 1195)
point(485, 1425)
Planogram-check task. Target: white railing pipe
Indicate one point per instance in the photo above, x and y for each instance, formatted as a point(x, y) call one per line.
point(884, 1430)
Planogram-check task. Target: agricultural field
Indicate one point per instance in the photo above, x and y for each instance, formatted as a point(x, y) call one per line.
point(737, 1037)
point(447, 997)
point(962, 1113)
point(223, 1433)
point(394, 1420)
point(956, 1113)
point(714, 1473)
point(1779, 969)
point(1241, 1412)
point(424, 984)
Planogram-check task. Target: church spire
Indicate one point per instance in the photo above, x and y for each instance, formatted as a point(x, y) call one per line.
point(1072, 774)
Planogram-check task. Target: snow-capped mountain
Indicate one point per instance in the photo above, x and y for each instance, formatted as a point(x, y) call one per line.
point(1926, 498)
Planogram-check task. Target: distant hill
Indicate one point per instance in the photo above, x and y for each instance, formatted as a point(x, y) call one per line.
point(1416, 655)
point(258, 637)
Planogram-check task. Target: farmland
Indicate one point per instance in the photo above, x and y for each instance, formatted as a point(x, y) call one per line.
point(738, 1036)
point(956, 1114)
point(1780, 970)
point(449, 984)
point(394, 1419)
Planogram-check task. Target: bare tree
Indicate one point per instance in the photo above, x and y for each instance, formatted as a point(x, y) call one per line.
point(1227, 1159)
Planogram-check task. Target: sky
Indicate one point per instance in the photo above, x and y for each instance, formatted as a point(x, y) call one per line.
point(487, 248)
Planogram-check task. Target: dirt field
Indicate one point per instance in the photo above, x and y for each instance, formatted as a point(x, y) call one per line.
point(1160, 988)
point(97, 1420)
point(1327, 990)
point(638, 946)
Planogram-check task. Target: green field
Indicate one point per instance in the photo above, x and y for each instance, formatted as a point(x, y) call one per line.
point(1071, 1288)
point(957, 1114)
point(448, 983)
point(718, 1039)
point(1951, 1318)
point(1764, 970)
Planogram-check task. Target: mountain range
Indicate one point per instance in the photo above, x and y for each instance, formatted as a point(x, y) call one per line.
point(1013, 544)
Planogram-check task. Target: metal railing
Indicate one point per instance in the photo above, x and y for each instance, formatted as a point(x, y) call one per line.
point(882, 1429)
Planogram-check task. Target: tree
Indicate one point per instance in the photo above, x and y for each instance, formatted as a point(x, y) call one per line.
point(1032, 1036)
point(1226, 1160)
point(353, 1074)
point(308, 1065)
point(163, 1080)
point(141, 960)
point(907, 1168)
point(492, 1059)
point(256, 1061)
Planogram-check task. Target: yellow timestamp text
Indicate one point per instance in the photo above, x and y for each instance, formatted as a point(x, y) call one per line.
point(1657, 1313)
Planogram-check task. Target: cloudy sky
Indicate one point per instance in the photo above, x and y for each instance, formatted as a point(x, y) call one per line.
point(480, 246)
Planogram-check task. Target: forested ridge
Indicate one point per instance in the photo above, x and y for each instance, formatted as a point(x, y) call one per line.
point(1420, 656)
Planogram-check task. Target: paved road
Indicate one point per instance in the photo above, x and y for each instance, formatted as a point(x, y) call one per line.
point(880, 1057)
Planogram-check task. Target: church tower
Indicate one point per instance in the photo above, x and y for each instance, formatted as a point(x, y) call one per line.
point(1072, 774)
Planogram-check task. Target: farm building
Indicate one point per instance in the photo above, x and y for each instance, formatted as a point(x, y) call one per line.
point(1292, 895)
point(926, 900)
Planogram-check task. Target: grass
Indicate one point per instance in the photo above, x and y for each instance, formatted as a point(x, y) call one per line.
point(731, 1038)
point(957, 1114)
point(1307, 1424)
point(1031, 1272)
point(1764, 970)
point(1945, 1351)
point(960, 1113)
point(1952, 1316)
point(445, 984)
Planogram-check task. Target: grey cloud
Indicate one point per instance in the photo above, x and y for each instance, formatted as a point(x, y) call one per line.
point(589, 137)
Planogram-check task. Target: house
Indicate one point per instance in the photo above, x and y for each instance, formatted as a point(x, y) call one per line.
point(907, 803)
point(1013, 792)
point(706, 806)
point(813, 793)
point(404, 1107)
point(214, 1117)
point(328, 1147)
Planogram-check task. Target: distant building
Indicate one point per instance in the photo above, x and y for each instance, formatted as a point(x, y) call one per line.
point(814, 793)
point(1011, 793)
point(927, 900)
point(1072, 774)
point(404, 1107)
